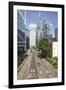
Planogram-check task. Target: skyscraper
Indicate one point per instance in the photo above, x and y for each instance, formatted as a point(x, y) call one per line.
point(21, 30)
point(43, 29)
point(27, 39)
point(32, 34)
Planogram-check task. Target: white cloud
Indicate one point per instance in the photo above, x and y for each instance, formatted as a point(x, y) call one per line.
point(51, 25)
point(32, 26)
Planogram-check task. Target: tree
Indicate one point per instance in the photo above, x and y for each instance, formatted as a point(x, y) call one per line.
point(45, 47)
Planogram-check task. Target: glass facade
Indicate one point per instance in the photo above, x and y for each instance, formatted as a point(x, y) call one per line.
point(43, 29)
point(21, 29)
point(23, 33)
point(21, 20)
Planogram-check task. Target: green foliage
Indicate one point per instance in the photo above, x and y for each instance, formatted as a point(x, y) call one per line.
point(53, 61)
point(45, 47)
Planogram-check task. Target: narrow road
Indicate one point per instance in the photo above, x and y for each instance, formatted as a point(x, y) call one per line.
point(35, 67)
point(24, 72)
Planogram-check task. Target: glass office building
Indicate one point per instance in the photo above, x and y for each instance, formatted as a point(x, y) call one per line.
point(43, 29)
point(21, 30)
point(22, 35)
point(21, 20)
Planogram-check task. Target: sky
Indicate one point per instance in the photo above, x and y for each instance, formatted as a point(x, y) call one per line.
point(36, 16)
point(33, 17)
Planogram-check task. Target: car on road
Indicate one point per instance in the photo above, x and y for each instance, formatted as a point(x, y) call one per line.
point(38, 63)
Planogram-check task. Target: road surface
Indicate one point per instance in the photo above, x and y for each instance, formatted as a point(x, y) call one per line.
point(35, 67)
